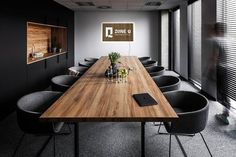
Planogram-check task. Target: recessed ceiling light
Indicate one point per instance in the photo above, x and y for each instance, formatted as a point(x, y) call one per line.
point(153, 3)
point(82, 4)
point(104, 7)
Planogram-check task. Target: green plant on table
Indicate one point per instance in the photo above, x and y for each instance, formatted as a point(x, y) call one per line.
point(113, 57)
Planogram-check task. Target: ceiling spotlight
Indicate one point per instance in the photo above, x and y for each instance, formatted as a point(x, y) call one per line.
point(153, 3)
point(85, 4)
point(104, 7)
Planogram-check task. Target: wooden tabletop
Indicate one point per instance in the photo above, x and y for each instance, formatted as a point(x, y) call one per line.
point(94, 98)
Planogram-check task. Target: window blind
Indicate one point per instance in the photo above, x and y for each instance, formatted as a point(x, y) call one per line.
point(226, 14)
point(176, 25)
point(165, 39)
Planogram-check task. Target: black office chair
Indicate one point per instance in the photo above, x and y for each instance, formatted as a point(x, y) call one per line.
point(29, 108)
point(155, 70)
point(92, 60)
point(86, 64)
point(149, 63)
point(167, 83)
point(77, 70)
point(63, 82)
point(144, 59)
point(192, 109)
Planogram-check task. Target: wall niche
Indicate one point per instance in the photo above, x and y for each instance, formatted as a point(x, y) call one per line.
point(45, 41)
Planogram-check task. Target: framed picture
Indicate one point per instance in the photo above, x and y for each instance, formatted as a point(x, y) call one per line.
point(117, 32)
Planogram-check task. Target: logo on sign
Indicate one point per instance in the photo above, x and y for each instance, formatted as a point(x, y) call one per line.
point(109, 32)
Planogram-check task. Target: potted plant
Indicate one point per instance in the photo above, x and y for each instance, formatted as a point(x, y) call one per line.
point(113, 57)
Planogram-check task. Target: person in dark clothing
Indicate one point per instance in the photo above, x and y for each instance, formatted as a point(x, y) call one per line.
point(220, 42)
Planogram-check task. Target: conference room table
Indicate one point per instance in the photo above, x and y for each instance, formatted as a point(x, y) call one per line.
point(94, 98)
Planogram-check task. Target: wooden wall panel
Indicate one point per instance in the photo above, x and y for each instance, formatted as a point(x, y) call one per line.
point(39, 37)
point(43, 38)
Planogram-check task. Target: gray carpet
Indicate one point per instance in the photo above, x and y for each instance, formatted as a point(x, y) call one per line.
point(123, 139)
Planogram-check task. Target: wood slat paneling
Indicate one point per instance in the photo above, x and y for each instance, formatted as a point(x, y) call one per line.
point(39, 36)
point(42, 38)
point(93, 98)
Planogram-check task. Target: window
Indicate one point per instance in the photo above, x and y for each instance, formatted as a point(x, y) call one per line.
point(194, 37)
point(226, 71)
point(165, 39)
point(176, 26)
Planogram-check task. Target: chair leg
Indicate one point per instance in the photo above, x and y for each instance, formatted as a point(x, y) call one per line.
point(156, 124)
point(54, 146)
point(181, 146)
point(190, 135)
point(68, 126)
point(44, 146)
point(18, 145)
point(170, 146)
point(77, 74)
point(159, 128)
point(66, 133)
point(205, 144)
point(166, 133)
point(161, 133)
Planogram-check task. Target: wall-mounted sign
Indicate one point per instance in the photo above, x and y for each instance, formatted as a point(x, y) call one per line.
point(117, 32)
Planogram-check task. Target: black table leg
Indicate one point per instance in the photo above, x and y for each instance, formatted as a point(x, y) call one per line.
point(142, 139)
point(76, 139)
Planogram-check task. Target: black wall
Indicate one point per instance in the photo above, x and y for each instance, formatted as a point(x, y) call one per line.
point(18, 78)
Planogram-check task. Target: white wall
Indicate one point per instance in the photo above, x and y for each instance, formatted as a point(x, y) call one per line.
point(88, 39)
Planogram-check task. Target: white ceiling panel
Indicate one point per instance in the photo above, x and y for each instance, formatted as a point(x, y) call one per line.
point(134, 5)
